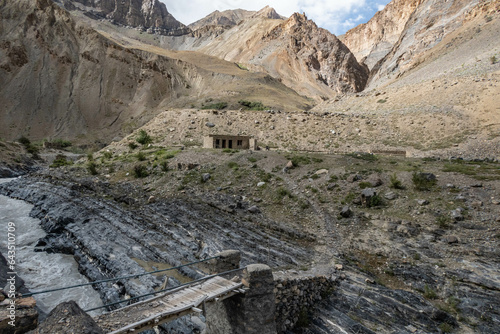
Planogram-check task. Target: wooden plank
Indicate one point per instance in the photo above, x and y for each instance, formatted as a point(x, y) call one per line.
point(167, 307)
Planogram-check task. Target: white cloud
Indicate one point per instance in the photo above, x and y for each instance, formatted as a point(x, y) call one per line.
point(334, 15)
point(380, 7)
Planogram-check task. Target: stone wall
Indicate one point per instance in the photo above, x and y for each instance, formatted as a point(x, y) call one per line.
point(298, 295)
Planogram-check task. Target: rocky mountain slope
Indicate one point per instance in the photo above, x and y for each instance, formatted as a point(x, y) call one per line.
point(309, 59)
point(147, 15)
point(393, 40)
point(227, 18)
point(60, 78)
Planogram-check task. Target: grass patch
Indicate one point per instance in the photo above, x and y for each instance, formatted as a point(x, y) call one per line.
point(60, 161)
point(382, 101)
point(233, 165)
point(365, 184)
point(423, 181)
point(253, 105)
point(363, 156)
point(298, 160)
point(217, 106)
point(242, 67)
point(282, 193)
point(140, 156)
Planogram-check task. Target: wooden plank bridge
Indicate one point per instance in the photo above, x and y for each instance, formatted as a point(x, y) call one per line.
point(168, 306)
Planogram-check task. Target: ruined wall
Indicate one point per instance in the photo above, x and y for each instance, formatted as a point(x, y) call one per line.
point(294, 297)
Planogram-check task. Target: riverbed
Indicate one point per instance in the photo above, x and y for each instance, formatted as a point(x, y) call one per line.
point(40, 270)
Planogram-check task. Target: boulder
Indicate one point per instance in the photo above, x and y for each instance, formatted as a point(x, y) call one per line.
point(346, 212)
point(205, 177)
point(391, 195)
point(69, 318)
point(253, 209)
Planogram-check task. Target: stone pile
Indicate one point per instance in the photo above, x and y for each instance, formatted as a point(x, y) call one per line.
point(295, 296)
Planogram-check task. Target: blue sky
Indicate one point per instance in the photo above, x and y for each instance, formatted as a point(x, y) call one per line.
point(337, 16)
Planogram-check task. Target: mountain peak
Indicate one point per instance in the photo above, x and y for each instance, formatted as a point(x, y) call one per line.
point(270, 13)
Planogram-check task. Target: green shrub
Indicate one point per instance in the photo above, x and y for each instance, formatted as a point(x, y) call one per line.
point(132, 145)
point(423, 181)
point(140, 156)
point(61, 143)
point(217, 106)
point(164, 166)
point(90, 156)
point(92, 168)
point(32, 149)
point(298, 160)
point(375, 201)
point(252, 105)
point(107, 155)
point(60, 161)
point(24, 141)
point(233, 165)
point(493, 60)
point(143, 138)
point(140, 171)
point(443, 221)
point(282, 193)
point(365, 184)
point(252, 159)
point(429, 292)
point(446, 327)
point(395, 182)
point(382, 101)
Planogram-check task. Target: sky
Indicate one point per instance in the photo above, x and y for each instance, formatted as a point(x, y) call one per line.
point(337, 16)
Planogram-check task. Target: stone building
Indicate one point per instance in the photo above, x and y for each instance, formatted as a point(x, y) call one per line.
point(229, 141)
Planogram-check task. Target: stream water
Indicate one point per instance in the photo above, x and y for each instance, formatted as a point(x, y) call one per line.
point(40, 270)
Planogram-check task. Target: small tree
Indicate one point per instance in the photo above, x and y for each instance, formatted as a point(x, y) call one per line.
point(143, 138)
point(140, 171)
point(395, 182)
point(92, 168)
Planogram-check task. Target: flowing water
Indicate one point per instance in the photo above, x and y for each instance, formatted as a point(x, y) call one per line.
point(40, 270)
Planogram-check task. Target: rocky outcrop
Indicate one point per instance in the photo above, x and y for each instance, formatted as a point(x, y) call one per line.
point(320, 53)
point(430, 22)
point(67, 318)
point(148, 15)
point(371, 41)
point(227, 18)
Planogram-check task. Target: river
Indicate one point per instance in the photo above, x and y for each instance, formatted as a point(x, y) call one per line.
point(40, 270)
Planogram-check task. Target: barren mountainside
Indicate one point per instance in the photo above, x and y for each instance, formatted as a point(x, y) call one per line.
point(62, 79)
point(309, 59)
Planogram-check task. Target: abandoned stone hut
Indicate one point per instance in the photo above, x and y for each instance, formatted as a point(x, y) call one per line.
point(229, 141)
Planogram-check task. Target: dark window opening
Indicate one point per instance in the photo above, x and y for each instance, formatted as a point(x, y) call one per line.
point(217, 143)
point(230, 144)
point(239, 143)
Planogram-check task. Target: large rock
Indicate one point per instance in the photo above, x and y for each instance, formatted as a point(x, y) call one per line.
point(69, 318)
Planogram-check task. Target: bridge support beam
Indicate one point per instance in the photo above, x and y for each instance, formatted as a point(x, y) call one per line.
point(253, 312)
point(228, 260)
